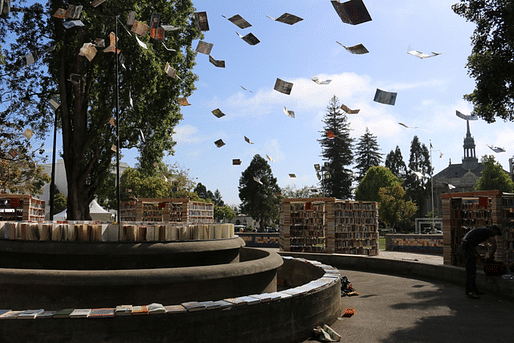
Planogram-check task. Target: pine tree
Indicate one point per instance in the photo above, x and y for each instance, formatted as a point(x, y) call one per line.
point(394, 162)
point(367, 154)
point(336, 145)
point(418, 188)
point(258, 191)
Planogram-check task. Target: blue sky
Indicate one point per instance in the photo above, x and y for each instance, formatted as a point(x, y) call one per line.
point(429, 90)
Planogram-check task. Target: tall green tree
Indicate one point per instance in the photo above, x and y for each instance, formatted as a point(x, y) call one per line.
point(294, 192)
point(418, 187)
point(168, 181)
point(376, 178)
point(367, 154)
point(224, 213)
point(336, 150)
point(393, 207)
point(491, 62)
point(131, 86)
point(395, 163)
point(258, 191)
point(493, 176)
point(201, 190)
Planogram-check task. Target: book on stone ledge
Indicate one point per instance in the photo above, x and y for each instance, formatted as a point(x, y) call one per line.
point(107, 312)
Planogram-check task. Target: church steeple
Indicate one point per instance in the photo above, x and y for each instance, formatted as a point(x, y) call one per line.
point(470, 161)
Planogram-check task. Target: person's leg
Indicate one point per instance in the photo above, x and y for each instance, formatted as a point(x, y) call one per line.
point(471, 269)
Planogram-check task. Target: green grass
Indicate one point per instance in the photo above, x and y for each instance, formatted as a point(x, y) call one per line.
point(381, 243)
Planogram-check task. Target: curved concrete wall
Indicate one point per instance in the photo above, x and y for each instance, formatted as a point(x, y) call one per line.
point(289, 319)
point(29, 288)
point(68, 255)
point(451, 274)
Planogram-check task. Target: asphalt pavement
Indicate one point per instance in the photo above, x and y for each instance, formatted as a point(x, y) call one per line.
point(397, 309)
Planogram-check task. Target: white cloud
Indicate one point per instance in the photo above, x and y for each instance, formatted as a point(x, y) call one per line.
point(186, 134)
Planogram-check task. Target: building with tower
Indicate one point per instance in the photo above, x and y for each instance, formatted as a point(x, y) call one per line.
point(458, 177)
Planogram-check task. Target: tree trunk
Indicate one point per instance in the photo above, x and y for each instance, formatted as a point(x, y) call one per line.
point(74, 134)
point(78, 200)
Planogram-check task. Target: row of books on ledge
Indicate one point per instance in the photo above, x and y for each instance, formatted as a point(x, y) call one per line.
point(100, 232)
point(330, 277)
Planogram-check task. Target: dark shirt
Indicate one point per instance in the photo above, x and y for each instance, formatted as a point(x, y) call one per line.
point(478, 235)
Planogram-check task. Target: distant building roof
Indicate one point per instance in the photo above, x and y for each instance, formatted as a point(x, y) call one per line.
point(456, 171)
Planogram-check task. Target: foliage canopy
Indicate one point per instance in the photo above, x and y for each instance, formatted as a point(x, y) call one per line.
point(131, 87)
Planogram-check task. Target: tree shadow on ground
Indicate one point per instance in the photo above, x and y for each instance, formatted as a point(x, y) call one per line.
point(468, 320)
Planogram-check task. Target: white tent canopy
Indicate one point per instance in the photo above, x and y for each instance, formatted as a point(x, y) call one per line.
point(96, 211)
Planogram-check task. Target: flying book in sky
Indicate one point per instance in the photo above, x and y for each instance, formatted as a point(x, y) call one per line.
point(183, 102)
point(112, 43)
point(388, 98)
point(73, 12)
point(201, 21)
point(217, 112)
point(141, 44)
point(219, 143)
point(269, 158)
point(140, 28)
point(449, 185)
point(348, 110)
point(29, 59)
point(169, 70)
point(408, 127)
point(236, 162)
point(496, 149)
point(88, 50)
point(422, 55)
point(249, 38)
point(54, 103)
point(283, 86)
point(352, 12)
point(358, 49)
point(96, 3)
point(72, 23)
point(100, 43)
point(418, 174)
point(292, 176)
point(165, 47)
point(317, 80)
point(248, 140)
point(204, 47)
point(245, 89)
point(288, 113)
point(472, 116)
point(217, 63)
point(170, 28)
point(287, 18)
point(131, 18)
point(60, 13)
point(28, 133)
point(239, 21)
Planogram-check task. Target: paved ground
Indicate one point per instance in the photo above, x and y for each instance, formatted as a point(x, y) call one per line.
point(396, 309)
